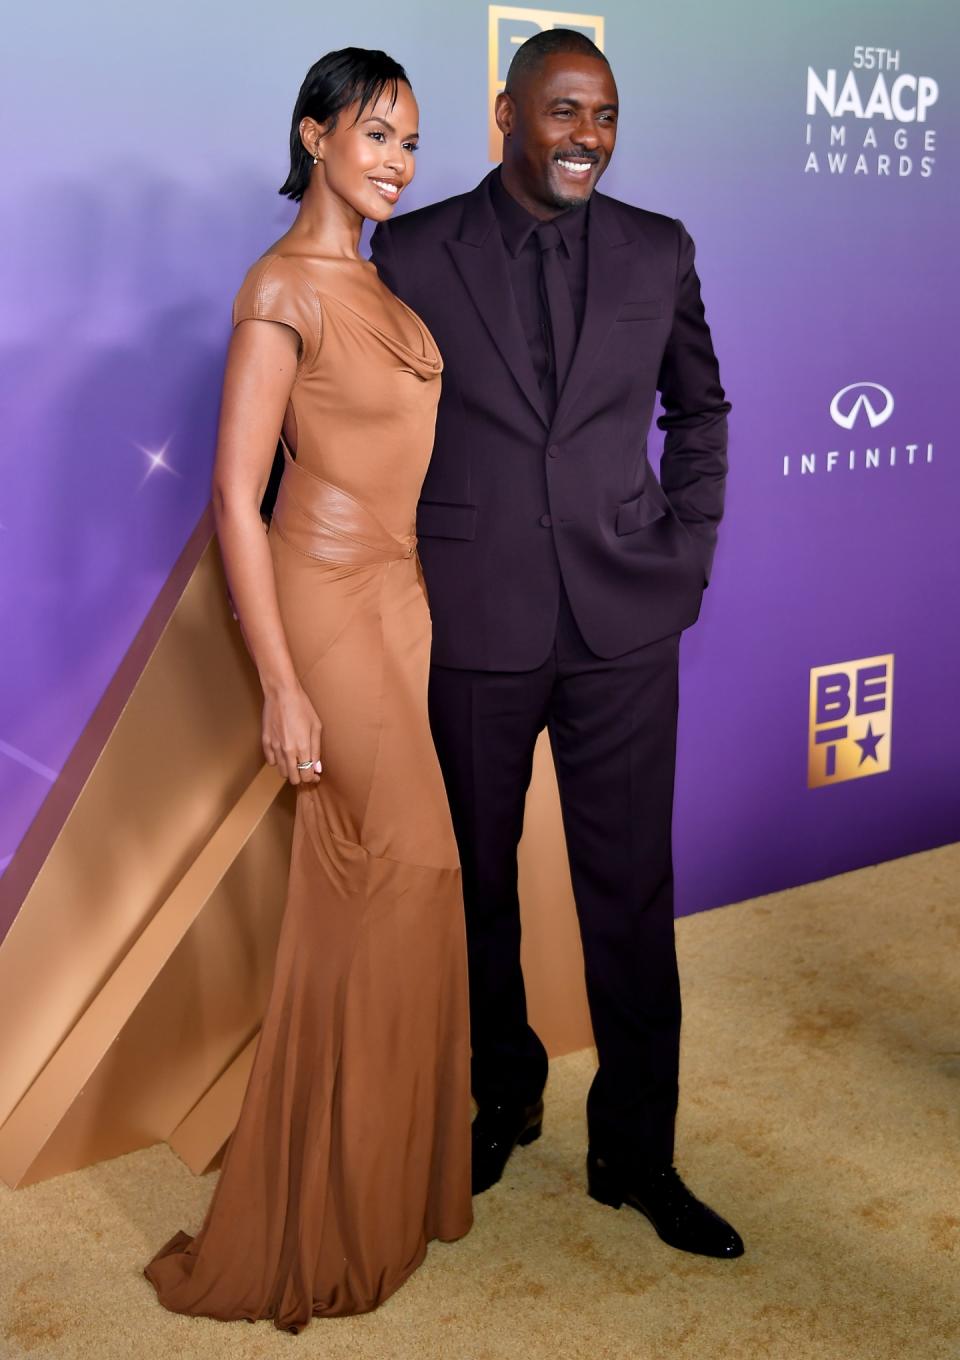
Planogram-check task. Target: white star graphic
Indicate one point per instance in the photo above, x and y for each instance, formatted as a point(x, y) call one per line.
point(156, 458)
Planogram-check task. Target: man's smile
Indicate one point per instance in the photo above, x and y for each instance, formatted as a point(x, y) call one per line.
point(576, 166)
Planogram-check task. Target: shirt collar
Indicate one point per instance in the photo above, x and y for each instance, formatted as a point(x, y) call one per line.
point(517, 225)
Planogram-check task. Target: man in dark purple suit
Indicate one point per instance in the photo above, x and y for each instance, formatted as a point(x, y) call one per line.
point(561, 574)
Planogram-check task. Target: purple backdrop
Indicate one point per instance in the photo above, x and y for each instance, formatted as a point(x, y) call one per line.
point(140, 182)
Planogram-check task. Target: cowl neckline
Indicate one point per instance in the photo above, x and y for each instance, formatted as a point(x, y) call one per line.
point(426, 363)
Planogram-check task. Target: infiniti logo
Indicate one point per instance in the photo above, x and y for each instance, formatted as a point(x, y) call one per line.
point(863, 401)
point(847, 408)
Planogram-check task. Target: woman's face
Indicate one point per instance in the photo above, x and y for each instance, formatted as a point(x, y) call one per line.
point(369, 162)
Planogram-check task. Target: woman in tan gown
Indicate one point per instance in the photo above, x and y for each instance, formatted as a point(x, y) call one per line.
point(352, 1147)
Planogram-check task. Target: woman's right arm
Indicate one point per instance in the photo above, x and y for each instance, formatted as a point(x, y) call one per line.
point(261, 367)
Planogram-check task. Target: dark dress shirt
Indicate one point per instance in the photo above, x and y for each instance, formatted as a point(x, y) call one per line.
point(517, 228)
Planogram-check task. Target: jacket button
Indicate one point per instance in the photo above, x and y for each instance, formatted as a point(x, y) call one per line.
point(546, 521)
point(554, 451)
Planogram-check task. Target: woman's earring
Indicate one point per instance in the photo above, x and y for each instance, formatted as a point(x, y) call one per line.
point(315, 159)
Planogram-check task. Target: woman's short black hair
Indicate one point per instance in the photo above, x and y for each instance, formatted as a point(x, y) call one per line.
point(351, 75)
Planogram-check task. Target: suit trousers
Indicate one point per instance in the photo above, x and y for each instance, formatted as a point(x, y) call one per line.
point(612, 726)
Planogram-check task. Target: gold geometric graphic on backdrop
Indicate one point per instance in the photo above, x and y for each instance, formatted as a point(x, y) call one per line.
point(137, 967)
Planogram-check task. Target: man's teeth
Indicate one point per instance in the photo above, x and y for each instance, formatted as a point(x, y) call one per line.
point(384, 184)
point(576, 167)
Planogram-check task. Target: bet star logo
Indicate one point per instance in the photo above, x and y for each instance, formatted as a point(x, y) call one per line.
point(851, 720)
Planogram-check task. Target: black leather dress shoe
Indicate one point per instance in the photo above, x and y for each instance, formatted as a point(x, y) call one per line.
point(678, 1216)
point(494, 1134)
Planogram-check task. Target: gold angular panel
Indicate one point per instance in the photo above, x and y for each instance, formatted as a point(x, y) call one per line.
point(181, 752)
point(199, 1139)
point(171, 1015)
point(42, 833)
point(551, 952)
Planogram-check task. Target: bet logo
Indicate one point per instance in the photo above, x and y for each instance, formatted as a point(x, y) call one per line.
point(851, 720)
point(874, 401)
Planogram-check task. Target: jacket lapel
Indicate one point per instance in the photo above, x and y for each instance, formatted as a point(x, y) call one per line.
point(610, 264)
point(481, 259)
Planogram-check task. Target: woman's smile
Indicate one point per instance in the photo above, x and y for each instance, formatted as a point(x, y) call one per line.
point(387, 188)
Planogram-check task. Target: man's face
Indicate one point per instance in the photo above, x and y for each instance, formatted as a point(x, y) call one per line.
point(560, 128)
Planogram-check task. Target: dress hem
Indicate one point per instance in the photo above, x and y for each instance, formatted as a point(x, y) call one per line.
point(181, 1240)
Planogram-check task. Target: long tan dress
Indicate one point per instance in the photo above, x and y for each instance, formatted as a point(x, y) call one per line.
point(352, 1149)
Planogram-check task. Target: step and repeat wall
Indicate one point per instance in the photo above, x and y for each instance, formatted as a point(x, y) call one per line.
point(811, 150)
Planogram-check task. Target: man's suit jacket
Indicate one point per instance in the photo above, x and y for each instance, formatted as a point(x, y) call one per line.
point(513, 501)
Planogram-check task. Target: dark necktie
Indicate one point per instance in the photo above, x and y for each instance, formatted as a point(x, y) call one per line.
point(563, 326)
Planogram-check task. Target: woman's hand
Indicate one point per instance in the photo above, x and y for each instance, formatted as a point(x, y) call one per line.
point(291, 734)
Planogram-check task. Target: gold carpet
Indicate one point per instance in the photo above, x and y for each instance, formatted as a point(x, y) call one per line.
point(819, 1110)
